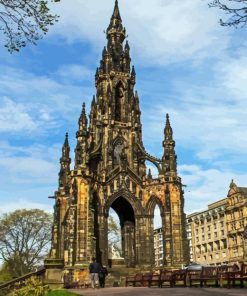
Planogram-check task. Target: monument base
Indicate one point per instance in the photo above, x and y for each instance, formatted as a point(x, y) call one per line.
point(54, 273)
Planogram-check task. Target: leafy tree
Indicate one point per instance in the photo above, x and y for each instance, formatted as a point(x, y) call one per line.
point(237, 9)
point(114, 234)
point(23, 21)
point(24, 239)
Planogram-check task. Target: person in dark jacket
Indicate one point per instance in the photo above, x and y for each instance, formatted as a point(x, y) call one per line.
point(94, 269)
point(102, 275)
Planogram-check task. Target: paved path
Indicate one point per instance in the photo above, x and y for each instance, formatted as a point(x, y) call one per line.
point(162, 292)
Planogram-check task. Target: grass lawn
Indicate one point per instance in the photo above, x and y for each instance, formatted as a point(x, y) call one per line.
point(61, 293)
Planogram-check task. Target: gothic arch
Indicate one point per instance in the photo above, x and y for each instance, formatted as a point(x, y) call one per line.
point(152, 202)
point(130, 198)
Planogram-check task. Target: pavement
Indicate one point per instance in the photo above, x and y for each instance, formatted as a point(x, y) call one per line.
point(122, 291)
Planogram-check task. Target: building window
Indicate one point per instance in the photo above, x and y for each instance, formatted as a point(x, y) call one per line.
point(208, 227)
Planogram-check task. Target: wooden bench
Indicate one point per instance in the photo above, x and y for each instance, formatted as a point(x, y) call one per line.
point(227, 273)
point(134, 280)
point(166, 277)
point(193, 276)
point(179, 276)
point(154, 280)
point(243, 275)
point(209, 273)
point(146, 278)
point(239, 276)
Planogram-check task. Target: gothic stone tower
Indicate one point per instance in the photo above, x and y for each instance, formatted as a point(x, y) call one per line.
point(110, 171)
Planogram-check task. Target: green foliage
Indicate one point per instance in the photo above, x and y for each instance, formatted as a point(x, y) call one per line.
point(33, 287)
point(24, 239)
point(23, 21)
point(5, 274)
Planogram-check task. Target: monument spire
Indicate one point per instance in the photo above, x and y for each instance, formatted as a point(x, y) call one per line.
point(169, 159)
point(65, 163)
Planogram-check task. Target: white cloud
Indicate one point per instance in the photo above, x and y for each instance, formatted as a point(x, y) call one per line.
point(14, 117)
point(10, 206)
point(159, 31)
point(41, 102)
point(208, 116)
point(205, 186)
point(74, 72)
point(23, 165)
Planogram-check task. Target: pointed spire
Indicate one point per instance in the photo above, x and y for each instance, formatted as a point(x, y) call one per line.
point(169, 159)
point(133, 75)
point(133, 72)
point(66, 148)
point(233, 184)
point(116, 12)
point(104, 52)
point(93, 102)
point(127, 47)
point(115, 27)
point(65, 163)
point(83, 118)
point(168, 130)
point(149, 175)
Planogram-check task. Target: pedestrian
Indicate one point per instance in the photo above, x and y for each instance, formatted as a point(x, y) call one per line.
point(94, 269)
point(102, 275)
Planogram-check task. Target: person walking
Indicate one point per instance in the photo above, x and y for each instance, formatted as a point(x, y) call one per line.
point(102, 275)
point(94, 269)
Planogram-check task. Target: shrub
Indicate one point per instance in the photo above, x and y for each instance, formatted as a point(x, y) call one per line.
point(33, 287)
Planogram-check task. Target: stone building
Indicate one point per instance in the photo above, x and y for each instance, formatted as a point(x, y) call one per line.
point(236, 221)
point(110, 172)
point(158, 247)
point(216, 235)
point(207, 235)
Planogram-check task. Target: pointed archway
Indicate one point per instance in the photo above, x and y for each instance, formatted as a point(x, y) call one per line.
point(126, 215)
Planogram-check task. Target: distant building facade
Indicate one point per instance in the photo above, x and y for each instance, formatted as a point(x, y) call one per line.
point(158, 247)
point(215, 236)
point(236, 220)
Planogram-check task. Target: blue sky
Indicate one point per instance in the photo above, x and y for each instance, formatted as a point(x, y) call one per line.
point(186, 65)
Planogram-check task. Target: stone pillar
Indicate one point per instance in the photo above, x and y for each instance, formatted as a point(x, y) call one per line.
point(128, 234)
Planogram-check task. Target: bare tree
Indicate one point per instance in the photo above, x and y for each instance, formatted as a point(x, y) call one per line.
point(237, 9)
point(24, 239)
point(24, 21)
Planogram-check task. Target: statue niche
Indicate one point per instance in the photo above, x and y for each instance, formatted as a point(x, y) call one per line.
point(117, 151)
point(119, 95)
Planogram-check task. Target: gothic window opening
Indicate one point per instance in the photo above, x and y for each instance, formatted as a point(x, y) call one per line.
point(119, 95)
